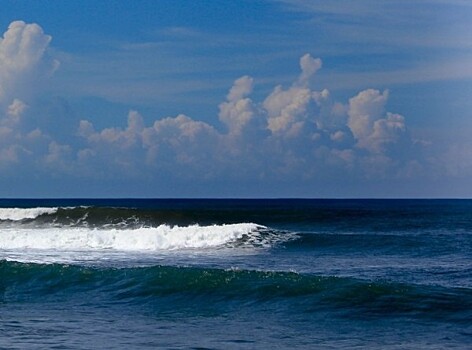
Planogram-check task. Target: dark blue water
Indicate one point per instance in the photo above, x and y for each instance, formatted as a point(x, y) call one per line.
point(235, 274)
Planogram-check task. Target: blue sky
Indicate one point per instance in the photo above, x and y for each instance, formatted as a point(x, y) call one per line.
point(282, 98)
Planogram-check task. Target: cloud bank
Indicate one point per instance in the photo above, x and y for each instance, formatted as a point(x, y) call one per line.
point(296, 134)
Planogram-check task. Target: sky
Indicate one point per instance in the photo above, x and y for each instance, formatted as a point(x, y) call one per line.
point(247, 98)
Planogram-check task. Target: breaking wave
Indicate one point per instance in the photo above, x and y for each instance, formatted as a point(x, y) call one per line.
point(18, 214)
point(163, 237)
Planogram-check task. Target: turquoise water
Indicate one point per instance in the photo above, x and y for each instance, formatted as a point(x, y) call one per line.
point(222, 274)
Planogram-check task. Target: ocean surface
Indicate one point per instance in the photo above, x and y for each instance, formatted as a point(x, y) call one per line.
point(235, 274)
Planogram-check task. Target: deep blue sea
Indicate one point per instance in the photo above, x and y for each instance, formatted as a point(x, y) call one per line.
point(235, 274)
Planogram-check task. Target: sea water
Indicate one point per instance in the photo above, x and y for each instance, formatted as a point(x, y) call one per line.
point(235, 274)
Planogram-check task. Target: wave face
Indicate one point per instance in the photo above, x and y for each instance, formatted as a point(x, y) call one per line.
point(188, 286)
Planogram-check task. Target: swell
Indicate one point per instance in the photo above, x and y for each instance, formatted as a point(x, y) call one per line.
point(388, 216)
point(183, 287)
point(404, 243)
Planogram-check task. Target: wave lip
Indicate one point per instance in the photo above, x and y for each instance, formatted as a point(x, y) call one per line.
point(18, 214)
point(163, 237)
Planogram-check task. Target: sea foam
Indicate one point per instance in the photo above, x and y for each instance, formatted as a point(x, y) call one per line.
point(163, 237)
point(18, 214)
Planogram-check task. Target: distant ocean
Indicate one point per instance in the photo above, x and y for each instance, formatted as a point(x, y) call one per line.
point(235, 274)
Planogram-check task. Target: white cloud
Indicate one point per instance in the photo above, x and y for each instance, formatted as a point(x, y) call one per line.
point(309, 66)
point(372, 128)
point(16, 109)
point(23, 60)
point(115, 137)
point(364, 109)
point(293, 132)
point(338, 136)
point(238, 111)
point(289, 110)
point(137, 148)
point(24, 64)
point(241, 88)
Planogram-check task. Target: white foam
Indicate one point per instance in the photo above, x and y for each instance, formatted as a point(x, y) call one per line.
point(141, 239)
point(18, 214)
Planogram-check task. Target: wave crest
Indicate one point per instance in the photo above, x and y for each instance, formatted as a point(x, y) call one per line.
point(18, 214)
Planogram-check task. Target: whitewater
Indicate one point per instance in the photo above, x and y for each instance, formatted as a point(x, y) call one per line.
point(68, 237)
point(18, 214)
point(162, 237)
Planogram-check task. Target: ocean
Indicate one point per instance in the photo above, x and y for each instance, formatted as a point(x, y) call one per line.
point(235, 274)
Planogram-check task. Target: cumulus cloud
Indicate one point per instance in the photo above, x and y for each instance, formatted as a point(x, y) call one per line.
point(372, 128)
point(23, 60)
point(172, 140)
point(290, 110)
point(238, 111)
point(295, 133)
point(24, 64)
point(309, 67)
point(364, 109)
